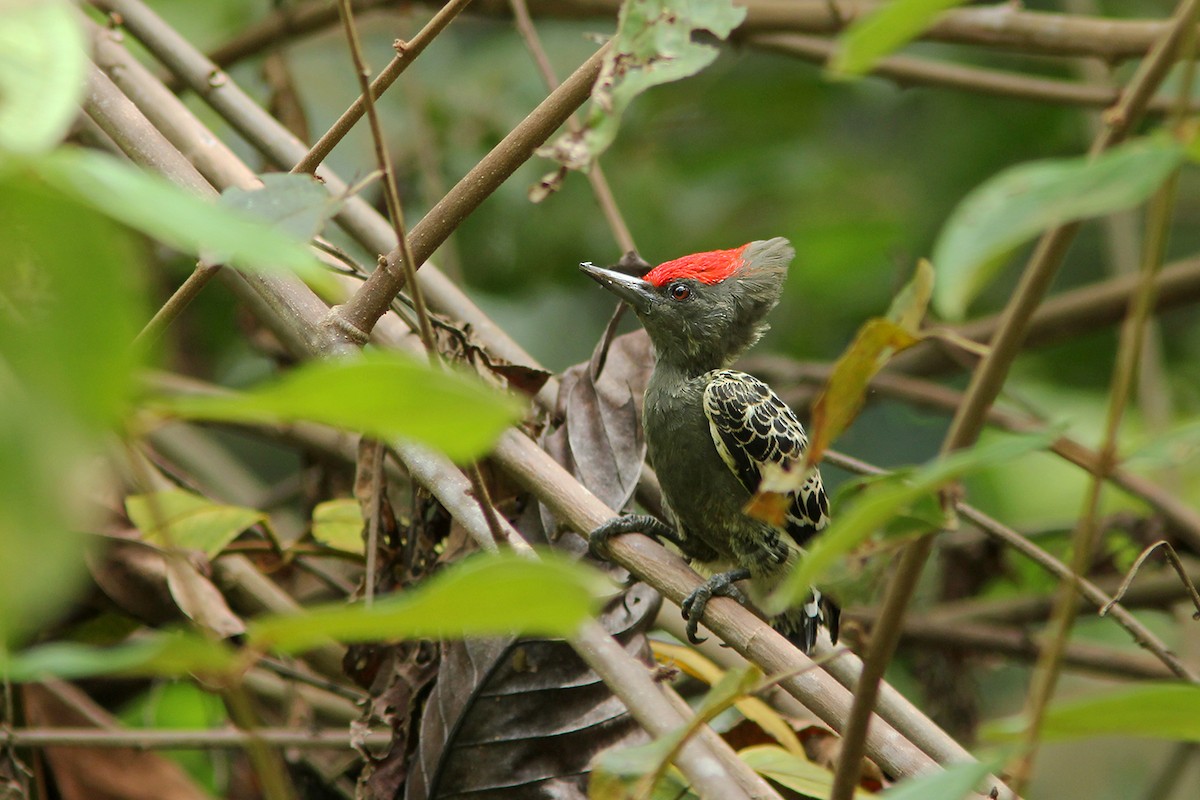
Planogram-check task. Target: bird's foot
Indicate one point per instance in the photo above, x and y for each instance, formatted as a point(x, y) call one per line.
point(653, 527)
point(719, 585)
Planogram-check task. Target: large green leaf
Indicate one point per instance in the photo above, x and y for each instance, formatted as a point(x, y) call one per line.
point(1022, 201)
point(382, 394)
point(176, 518)
point(1149, 710)
point(165, 212)
point(483, 595)
point(43, 69)
point(654, 44)
point(882, 500)
point(886, 28)
point(70, 303)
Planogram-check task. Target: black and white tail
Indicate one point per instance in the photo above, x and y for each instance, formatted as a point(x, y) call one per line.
point(801, 624)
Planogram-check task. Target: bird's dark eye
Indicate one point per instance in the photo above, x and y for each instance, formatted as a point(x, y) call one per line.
point(680, 291)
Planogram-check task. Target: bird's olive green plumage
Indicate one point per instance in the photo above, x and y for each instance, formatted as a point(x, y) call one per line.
point(710, 429)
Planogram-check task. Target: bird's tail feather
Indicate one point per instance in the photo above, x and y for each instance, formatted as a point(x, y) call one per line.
point(801, 624)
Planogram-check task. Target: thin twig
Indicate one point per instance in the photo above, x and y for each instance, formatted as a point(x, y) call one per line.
point(406, 53)
point(1176, 564)
point(390, 192)
point(1002, 533)
point(373, 299)
point(906, 71)
point(167, 739)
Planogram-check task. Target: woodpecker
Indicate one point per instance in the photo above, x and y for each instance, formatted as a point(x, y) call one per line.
point(710, 430)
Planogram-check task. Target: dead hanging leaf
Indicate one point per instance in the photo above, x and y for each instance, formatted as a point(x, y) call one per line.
point(92, 773)
point(655, 43)
point(877, 341)
point(600, 439)
point(773, 498)
point(845, 392)
point(522, 718)
point(199, 598)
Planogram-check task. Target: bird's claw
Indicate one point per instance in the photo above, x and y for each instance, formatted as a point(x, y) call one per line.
point(629, 523)
point(719, 585)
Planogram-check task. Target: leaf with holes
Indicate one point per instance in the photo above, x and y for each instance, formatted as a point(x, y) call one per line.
point(654, 44)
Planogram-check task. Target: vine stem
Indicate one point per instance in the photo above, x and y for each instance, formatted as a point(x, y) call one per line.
point(986, 382)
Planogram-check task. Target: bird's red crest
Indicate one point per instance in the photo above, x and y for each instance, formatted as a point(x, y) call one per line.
point(711, 267)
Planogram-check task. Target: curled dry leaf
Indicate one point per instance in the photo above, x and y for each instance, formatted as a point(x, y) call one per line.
point(600, 439)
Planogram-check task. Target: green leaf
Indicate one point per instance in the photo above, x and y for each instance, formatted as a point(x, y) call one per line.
point(1149, 710)
point(176, 518)
point(70, 303)
point(297, 204)
point(167, 654)
point(793, 771)
point(381, 394)
point(883, 500)
point(956, 782)
point(1022, 201)
point(43, 72)
point(483, 595)
point(339, 524)
point(653, 45)
point(158, 208)
point(885, 29)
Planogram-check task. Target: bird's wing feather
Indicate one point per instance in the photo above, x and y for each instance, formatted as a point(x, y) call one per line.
point(751, 426)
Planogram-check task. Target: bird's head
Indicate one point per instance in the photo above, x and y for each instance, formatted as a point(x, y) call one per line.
point(704, 310)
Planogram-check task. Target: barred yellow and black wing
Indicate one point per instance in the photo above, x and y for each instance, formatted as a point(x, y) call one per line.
point(751, 426)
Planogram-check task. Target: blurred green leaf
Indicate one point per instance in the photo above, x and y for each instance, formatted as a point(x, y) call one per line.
point(381, 394)
point(339, 524)
point(485, 594)
point(158, 208)
point(1022, 201)
point(70, 303)
point(191, 521)
point(795, 772)
point(956, 782)
point(653, 45)
point(1149, 710)
point(182, 705)
point(1176, 447)
point(884, 29)
point(300, 205)
point(883, 500)
point(43, 71)
point(168, 654)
